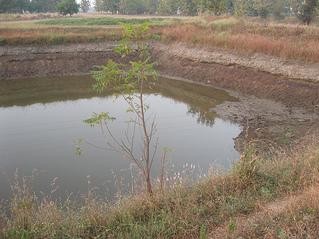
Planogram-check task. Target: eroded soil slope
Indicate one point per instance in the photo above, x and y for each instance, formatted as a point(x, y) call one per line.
point(231, 74)
point(31, 61)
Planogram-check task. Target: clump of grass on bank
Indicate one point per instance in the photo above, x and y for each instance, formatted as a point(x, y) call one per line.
point(243, 35)
point(181, 212)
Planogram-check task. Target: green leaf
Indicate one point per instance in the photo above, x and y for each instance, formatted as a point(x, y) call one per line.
point(124, 48)
point(98, 119)
point(107, 76)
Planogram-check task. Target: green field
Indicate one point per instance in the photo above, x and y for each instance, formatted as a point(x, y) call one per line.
point(62, 30)
point(100, 21)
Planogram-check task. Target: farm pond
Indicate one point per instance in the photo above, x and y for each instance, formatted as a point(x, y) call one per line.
point(44, 137)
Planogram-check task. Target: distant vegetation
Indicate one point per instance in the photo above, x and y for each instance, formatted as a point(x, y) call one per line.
point(305, 10)
point(85, 5)
point(19, 6)
point(66, 7)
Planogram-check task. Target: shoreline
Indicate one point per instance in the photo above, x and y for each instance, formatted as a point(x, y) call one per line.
point(213, 67)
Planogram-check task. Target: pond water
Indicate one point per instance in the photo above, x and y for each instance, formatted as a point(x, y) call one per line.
point(41, 122)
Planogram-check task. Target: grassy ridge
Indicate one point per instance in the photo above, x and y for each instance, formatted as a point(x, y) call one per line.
point(99, 21)
point(245, 36)
point(57, 35)
point(68, 30)
point(180, 212)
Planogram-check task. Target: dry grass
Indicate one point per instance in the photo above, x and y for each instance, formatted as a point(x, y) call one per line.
point(282, 40)
point(245, 36)
point(182, 211)
point(69, 29)
point(31, 32)
point(298, 219)
point(57, 35)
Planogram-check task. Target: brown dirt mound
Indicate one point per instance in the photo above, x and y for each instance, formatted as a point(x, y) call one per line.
point(243, 79)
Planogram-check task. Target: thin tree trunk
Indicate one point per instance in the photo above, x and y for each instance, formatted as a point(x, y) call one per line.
point(146, 144)
point(149, 187)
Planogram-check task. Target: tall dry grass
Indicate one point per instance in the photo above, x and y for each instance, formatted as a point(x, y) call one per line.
point(297, 219)
point(287, 41)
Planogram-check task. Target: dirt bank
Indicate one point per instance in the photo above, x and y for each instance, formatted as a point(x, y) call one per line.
point(297, 70)
point(274, 110)
point(266, 123)
point(189, 64)
point(271, 125)
point(293, 113)
point(253, 75)
point(23, 62)
point(294, 83)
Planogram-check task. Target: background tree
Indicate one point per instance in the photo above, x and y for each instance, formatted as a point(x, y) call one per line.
point(13, 6)
point(153, 6)
point(99, 5)
point(44, 5)
point(239, 7)
point(215, 7)
point(134, 6)
point(305, 10)
point(85, 5)
point(230, 7)
point(263, 7)
point(112, 5)
point(279, 9)
point(168, 7)
point(188, 7)
point(68, 7)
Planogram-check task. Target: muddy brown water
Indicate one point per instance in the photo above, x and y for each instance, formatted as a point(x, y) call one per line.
point(41, 121)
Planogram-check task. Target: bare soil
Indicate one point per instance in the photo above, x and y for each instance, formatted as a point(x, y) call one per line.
point(273, 109)
point(247, 80)
point(278, 66)
point(73, 59)
point(294, 83)
point(266, 123)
